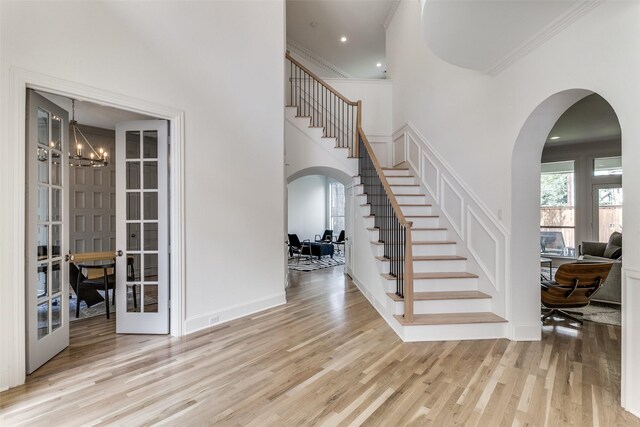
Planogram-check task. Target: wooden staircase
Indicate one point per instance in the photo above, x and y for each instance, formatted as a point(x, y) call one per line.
point(445, 293)
point(432, 296)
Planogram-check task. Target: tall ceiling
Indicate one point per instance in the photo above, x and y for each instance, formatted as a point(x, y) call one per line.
point(91, 114)
point(590, 119)
point(318, 25)
point(483, 35)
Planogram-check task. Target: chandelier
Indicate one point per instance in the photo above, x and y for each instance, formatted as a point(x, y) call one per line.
point(85, 155)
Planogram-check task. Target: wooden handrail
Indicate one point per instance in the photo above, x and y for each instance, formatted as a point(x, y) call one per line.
point(383, 180)
point(320, 81)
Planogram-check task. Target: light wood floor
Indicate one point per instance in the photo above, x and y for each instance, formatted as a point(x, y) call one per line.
point(326, 358)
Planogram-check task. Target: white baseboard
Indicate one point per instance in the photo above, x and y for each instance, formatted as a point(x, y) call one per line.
point(202, 321)
point(4, 380)
point(525, 331)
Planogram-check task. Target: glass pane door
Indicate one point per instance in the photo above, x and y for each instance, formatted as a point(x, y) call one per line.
point(607, 211)
point(46, 277)
point(142, 227)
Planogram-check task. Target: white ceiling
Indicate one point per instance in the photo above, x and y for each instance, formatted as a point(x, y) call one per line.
point(590, 119)
point(361, 21)
point(91, 114)
point(489, 35)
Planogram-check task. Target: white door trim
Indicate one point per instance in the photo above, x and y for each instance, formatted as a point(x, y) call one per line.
point(12, 290)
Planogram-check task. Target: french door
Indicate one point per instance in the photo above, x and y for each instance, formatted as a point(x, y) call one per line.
point(47, 210)
point(607, 211)
point(142, 227)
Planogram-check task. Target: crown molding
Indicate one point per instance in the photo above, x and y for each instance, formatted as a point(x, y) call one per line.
point(392, 11)
point(299, 49)
point(554, 28)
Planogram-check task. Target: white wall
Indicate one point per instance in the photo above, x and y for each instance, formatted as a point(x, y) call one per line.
point(376, 111)
point(221, 63)
point(307, 206)
point(473, 121)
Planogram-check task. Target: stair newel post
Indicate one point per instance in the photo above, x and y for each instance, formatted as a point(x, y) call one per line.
point(408, 273)
point(358, 125)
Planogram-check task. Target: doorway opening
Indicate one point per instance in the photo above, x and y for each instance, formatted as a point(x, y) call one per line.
point(100, 227)
point(318, 218)
point(525, 294)
point(581, 201)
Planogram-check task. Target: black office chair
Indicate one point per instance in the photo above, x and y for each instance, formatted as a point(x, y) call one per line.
point(327, 237)
point(299, 248)
point(340, 241)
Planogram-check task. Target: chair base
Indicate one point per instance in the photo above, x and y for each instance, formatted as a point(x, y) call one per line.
point(562, 313)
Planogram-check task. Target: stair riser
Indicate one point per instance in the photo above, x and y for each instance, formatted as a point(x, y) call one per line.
point(428, 222)
point(393, 180)
point(444, 306)
point(447, 249)
point(397, 172)
point(412, 200)
point(428, 266)
point(476, 331)
point(435, 266)
point(416, 210)
point(438, 285)
point(417, 235)
point(405, 190)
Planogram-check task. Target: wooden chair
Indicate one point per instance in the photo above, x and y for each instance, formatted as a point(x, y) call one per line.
point(98, 277)
point(574, 286)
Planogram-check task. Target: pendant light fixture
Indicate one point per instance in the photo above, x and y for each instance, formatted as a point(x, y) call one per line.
point(85, 155)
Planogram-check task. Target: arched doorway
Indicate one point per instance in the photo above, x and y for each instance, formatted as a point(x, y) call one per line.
point(319, 199)
point(525, 238)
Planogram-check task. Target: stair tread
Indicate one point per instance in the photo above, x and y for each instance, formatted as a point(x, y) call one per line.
point(415, 204)
point(451, 318)
point(438, 275)
point(442, 295)
point(422, 216)
point(410, 195)
point(430, 258)
point(394, 169)
point(404, 185)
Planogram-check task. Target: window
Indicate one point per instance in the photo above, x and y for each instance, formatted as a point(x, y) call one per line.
point(336, 207)
point(557, 209)
point(607, 166)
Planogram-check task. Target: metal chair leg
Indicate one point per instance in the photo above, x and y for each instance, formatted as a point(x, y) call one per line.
point(549, 314)
point(570, 316)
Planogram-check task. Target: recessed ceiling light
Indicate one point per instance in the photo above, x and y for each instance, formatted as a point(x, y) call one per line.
point(343, 39)
point(378, 65)
point(555, 137)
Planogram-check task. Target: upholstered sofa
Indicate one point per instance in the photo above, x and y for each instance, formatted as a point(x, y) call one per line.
point(611, 251)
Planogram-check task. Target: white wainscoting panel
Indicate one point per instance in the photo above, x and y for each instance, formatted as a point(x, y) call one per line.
point(452, 205)
point(430, 176)
point(483, 245)
point(482, 237)
point(398, 149)
point(413, 153)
